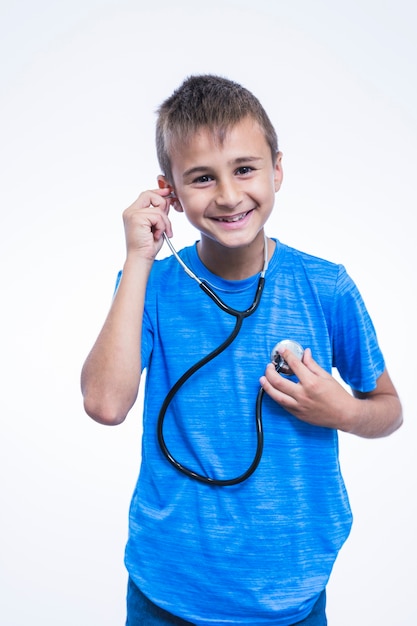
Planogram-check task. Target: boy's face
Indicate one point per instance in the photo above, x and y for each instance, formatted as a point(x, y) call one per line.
point(227, 190)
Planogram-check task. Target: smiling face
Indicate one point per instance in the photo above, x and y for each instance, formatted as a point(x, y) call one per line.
point(226, 188)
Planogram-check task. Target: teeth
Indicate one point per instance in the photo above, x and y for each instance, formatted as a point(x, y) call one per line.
point(232, 219)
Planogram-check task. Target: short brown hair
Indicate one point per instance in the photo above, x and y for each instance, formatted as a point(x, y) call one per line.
point(207, 101)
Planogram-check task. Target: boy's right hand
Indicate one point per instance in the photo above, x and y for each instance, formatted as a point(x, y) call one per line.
point(145, 222)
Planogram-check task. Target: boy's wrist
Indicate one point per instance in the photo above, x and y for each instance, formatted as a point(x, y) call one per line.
point(138, 264)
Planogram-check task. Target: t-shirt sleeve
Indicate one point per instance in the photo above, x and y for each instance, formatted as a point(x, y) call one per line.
point(356, 353)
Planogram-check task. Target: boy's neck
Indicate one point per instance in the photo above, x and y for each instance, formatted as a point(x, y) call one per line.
point(235, 263)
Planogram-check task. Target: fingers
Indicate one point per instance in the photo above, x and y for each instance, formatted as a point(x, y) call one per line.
point(154, 199)
point(300, 367)
point(314, 398)
point(146, 220)
point(278, 387)
point(277, 380)
point(312, 365)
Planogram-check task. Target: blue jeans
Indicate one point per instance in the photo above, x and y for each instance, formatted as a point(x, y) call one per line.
point(143, 612)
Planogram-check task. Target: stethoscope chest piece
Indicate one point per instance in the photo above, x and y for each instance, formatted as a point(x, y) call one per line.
point(280, 364)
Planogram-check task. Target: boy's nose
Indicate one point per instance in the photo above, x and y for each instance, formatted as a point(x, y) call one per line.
point(228, 195)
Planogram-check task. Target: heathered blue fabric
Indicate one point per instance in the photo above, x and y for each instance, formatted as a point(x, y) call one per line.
point(262, 551)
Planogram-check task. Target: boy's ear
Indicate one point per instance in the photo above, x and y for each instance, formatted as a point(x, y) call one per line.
point(278, 173)
point(164, 184)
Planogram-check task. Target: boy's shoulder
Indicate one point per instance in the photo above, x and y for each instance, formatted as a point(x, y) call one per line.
point(291, 259)
point(297, 267)
point(305, 257)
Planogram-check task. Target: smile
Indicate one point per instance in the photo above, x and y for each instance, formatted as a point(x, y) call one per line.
point(235, 218)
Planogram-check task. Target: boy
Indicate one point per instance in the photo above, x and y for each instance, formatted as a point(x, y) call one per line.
point(205, 548)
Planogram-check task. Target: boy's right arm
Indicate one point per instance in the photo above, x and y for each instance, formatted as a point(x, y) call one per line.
point(111, 373)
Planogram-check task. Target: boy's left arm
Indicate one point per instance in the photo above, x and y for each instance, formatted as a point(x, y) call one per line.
point(317, 398)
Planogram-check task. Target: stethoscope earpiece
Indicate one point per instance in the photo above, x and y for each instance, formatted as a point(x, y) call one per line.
point(280, 364)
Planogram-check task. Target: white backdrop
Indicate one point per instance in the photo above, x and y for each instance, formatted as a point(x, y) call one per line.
point(80, 81)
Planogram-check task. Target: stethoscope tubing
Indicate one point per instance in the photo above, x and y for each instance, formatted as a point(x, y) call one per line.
point(240, 317)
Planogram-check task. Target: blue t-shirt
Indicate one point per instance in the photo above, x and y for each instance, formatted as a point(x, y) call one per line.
point(262, 551)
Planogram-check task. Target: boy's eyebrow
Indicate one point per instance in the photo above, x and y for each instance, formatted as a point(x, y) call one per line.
point(198, 169)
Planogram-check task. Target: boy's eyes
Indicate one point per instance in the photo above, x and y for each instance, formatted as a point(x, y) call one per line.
point(203, 179)
point(244, 169)
point(240, 171)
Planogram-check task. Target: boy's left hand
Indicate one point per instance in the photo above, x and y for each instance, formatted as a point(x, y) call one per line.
point(317, 397)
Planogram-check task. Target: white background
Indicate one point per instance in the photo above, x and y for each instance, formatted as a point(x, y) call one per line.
point(80, 81)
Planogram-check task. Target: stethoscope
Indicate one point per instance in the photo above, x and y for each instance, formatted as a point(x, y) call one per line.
point(280, 366)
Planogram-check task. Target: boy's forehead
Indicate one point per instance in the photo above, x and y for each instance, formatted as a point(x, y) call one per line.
point(246, 132)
